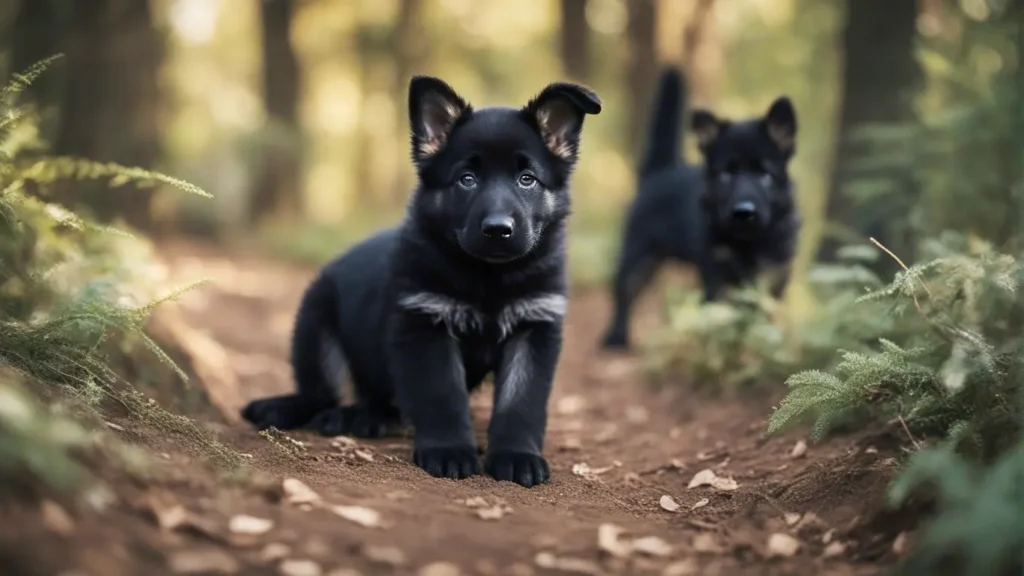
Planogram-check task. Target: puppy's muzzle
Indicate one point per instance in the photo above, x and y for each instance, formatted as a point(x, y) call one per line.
point(498, 227)
point(744, 211)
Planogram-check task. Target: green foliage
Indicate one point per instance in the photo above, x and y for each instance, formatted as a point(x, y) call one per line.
point(953, 373)
point(748, 341)
point(69, 289)
point(979, 528)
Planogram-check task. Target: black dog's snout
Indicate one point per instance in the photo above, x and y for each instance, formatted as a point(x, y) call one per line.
point(744, 211)
point(498, 227)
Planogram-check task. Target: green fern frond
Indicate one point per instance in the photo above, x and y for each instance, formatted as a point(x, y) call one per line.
point(22, 80)
point(50, 170)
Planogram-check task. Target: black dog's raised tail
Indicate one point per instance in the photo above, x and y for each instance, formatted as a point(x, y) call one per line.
point(665, 125)
point(315, 332)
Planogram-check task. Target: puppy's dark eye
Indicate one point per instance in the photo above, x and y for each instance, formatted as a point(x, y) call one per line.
point(527, 180)
point(467, 180)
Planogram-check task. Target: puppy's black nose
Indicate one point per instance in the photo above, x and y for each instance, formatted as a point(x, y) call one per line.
point(744, 211)
point(497, 226)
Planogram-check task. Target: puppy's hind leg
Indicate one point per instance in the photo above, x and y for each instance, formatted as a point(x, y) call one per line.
point(316, 391)
point(636, 269)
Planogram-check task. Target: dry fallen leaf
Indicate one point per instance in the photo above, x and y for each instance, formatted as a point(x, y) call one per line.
point(495, 512)
point(439, 569)
point(899, 545)
point(700, 503)
point(56, 518)
point(476, 502)
point(608, 540)
point(296, 492)
point(686, 567)
point(275, 551)
point(299, 567)
point(707, 477)
point(570, 444)
point(705, 542)
point(782, 545)
point(581, 469)
point(364, 454)
point(202, 561)
point(572, 565)
point(344, 572)
point(653, 546)
point(384, 555)
point(792, 518)
point(668, 503)
point(358, 514)
point(834, 549)
point(568, 405)
point(799, 449)
point(827, 536)
point(637, 415)
point(245, 524)
point(343, 442)
point(398, 495)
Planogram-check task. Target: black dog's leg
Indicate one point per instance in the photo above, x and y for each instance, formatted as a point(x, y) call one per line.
point(430, 385)
point(362, 420)
point(519, 419)
point(316, 360)
point(635, 272)
point(781, 282)
point(711, 278)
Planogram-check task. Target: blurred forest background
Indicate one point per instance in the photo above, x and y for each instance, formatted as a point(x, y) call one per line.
point(292, 112)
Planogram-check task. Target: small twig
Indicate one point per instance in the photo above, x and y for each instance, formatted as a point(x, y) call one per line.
point(907, 430)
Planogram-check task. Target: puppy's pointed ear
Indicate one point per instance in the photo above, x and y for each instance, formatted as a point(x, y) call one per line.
point(706, 126)
point(434, 109)
point(558, 112)
point(780, 124)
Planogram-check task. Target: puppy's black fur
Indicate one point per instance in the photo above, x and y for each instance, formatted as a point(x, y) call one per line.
point(472, 282)
point(731, 217)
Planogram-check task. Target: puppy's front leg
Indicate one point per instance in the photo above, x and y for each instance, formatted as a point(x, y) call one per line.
point(519, 418)
point(430, 387)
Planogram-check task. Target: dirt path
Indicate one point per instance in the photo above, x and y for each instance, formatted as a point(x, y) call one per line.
point(616, 448)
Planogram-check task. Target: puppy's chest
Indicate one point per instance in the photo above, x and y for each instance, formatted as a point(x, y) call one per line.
point(492, 319)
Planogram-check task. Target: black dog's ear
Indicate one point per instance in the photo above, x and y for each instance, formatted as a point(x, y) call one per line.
point(558, 111)
point(434, 108)
point(780, 123)
point(706, 126)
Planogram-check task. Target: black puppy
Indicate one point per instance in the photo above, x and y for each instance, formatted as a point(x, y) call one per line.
point(472, 282)
point(732, 217)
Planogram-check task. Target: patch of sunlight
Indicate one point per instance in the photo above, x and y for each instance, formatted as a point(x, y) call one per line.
point(333, 102)
point(326, 181)
point(607, 16)
point(235, 105)
point(194, 21)
point(495, 20)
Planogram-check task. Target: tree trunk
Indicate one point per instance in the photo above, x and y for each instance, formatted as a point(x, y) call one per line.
point(410, 56)
point(277, 191)
point(35, 34)
point(111, 101)
point(574, 40)
point(880, 75)
point(643, 68)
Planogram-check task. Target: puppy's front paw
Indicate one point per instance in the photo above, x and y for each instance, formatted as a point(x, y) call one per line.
point(454, 462)
point(524, 469)
point(356, 420)
point(281, 412)
point(614, 341)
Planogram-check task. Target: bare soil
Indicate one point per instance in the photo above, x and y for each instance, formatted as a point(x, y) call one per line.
point(616, 445)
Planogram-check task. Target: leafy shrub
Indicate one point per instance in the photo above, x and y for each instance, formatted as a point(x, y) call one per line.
point(67, 291)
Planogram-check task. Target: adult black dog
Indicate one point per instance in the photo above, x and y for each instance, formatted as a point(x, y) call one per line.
point(472, 282)
point(732, 217)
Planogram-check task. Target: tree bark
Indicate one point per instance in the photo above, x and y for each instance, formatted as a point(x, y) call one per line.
point(642, 68)
point(278, 191)
point(880, 75)
point(574, 40)
point(111, 101)
point(410, 56)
